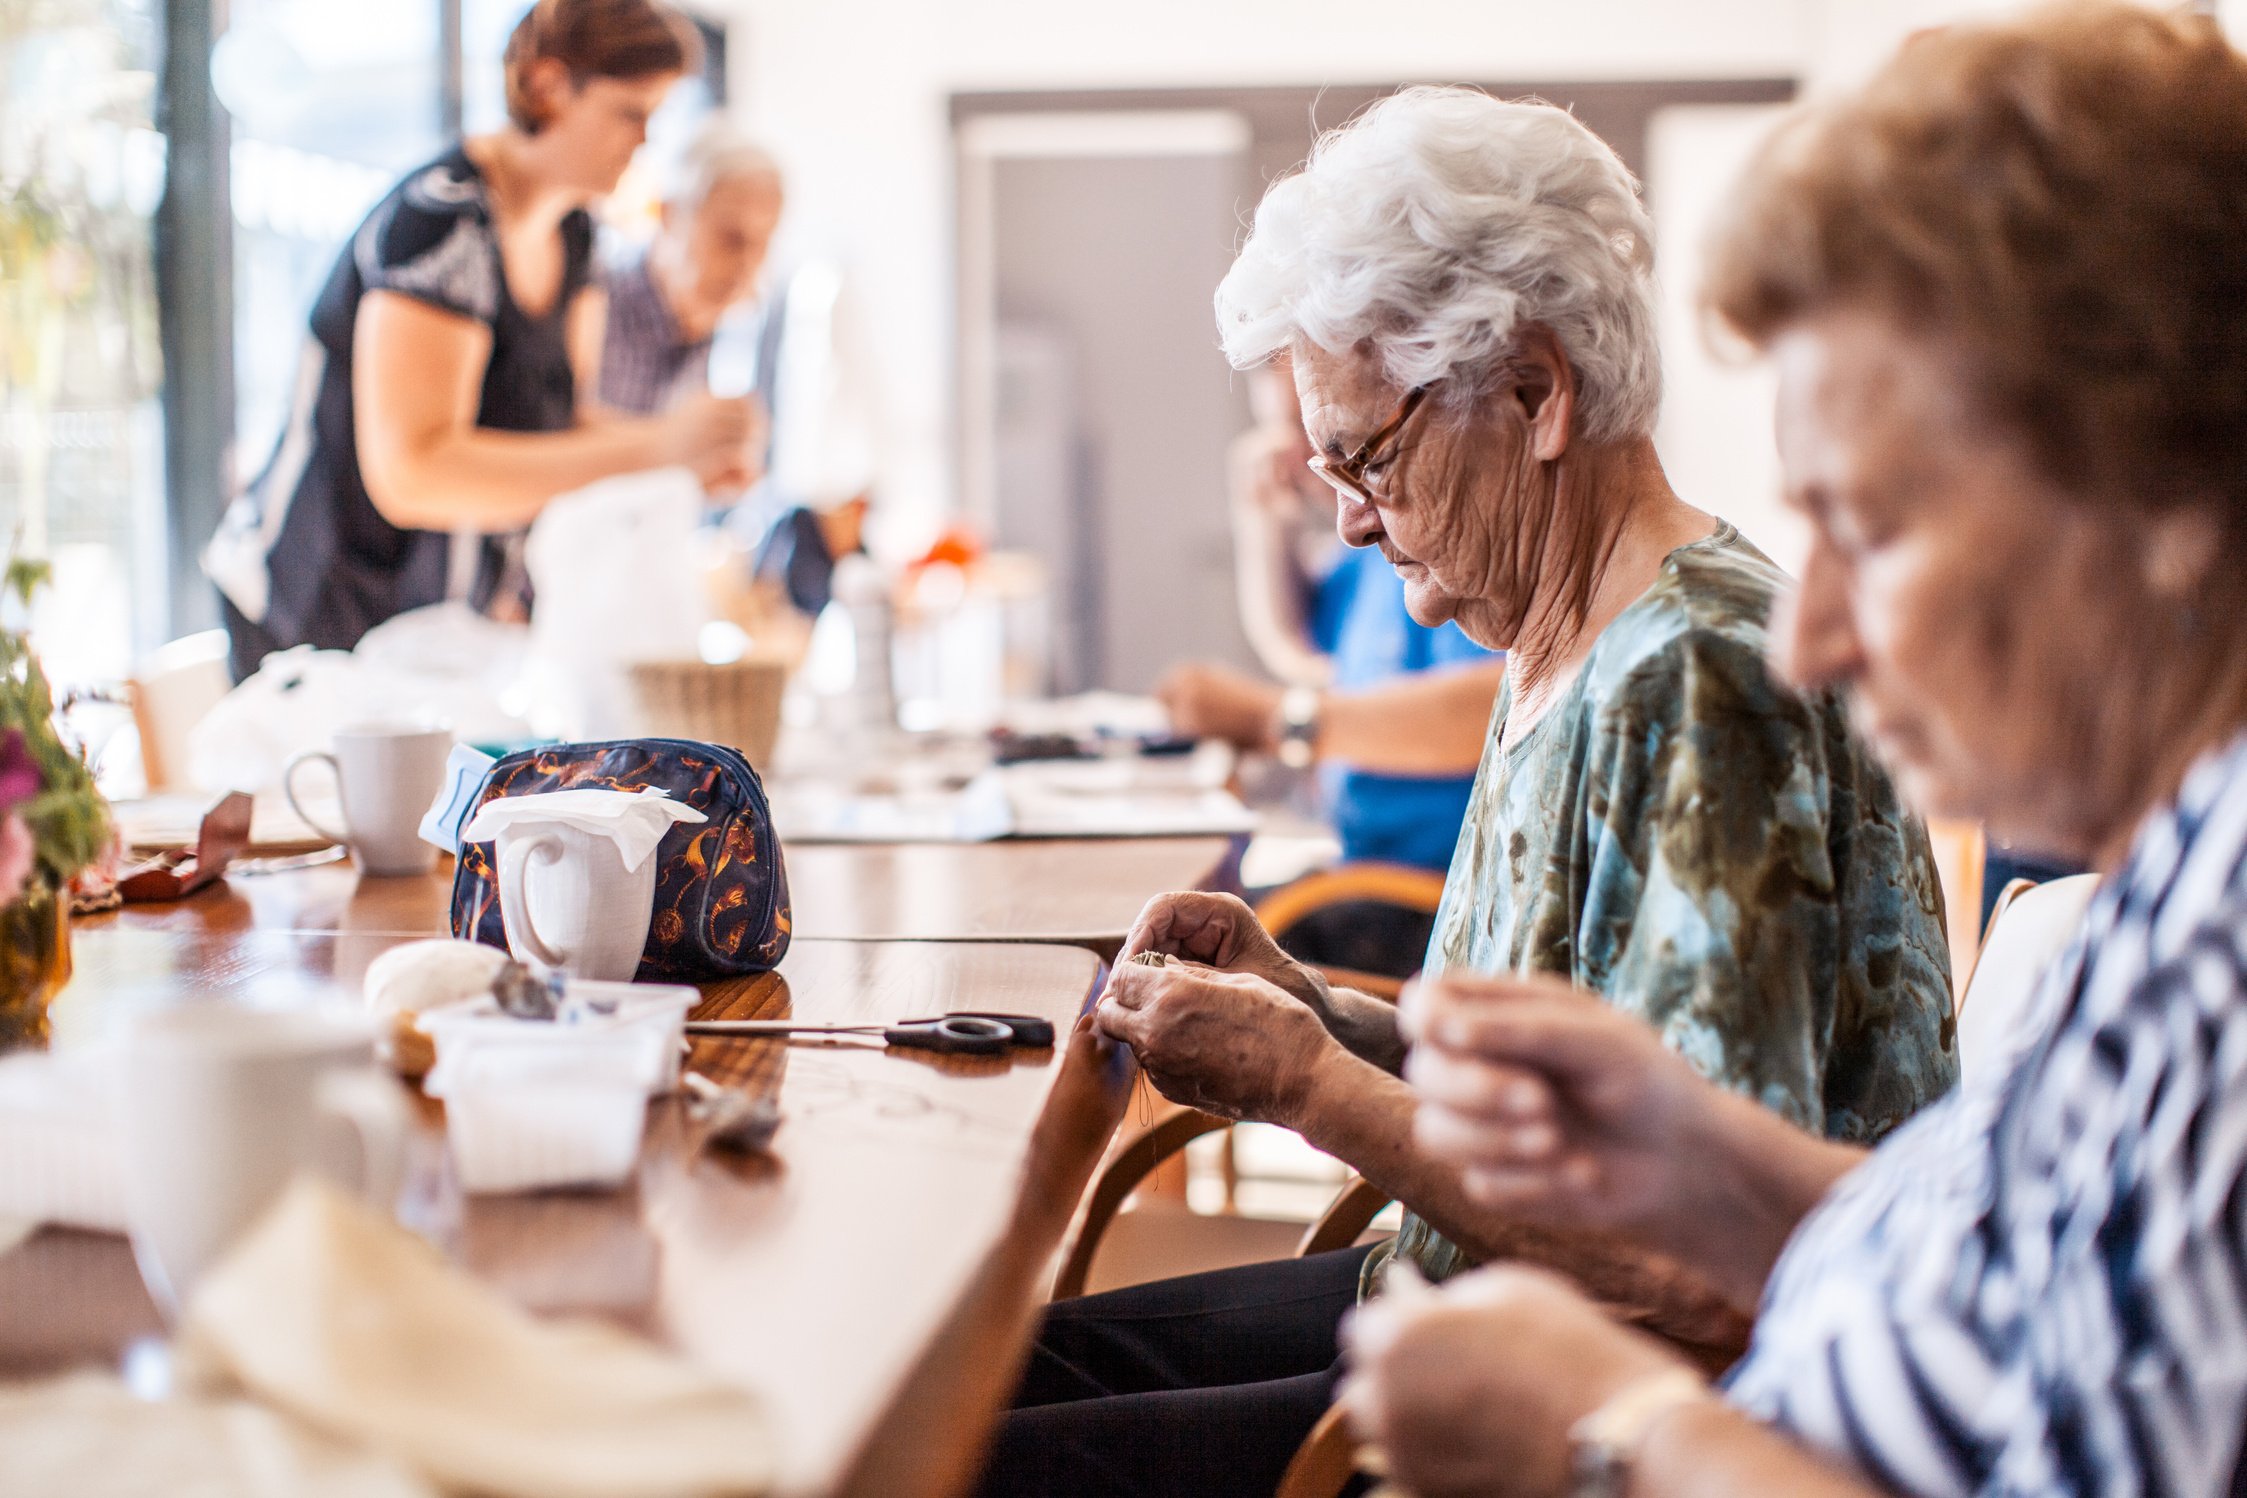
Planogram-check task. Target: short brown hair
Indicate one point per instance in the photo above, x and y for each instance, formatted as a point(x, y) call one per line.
point(2059, 200)
point(596, 39)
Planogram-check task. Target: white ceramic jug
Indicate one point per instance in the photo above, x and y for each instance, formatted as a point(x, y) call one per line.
point(576, 871)
point(569, 902)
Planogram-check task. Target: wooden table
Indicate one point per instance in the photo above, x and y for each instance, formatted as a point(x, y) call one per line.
point(1078, 892)
point(822, 1277)
point(1082, 892)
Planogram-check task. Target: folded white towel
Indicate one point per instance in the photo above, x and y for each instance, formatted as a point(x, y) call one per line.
point(58, 1151)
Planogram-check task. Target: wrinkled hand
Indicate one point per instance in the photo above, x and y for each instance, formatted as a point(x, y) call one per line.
point(1220, 931)
point(1208, 701)
point(1471, 1389)
point(1557, 1108)
point(1227, 1043)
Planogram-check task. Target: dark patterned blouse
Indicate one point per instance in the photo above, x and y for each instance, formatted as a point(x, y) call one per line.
point(302, 554)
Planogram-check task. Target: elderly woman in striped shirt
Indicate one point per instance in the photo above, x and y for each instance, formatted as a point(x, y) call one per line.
point(2002, 288)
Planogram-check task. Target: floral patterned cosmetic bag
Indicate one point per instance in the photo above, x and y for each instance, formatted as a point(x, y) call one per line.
point(721, 892)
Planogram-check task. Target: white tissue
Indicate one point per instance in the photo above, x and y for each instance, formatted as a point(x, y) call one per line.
point(635, 822)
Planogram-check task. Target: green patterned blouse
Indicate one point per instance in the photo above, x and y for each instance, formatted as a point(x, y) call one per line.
point(1715, 855)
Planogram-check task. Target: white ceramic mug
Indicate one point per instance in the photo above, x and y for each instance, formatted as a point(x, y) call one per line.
point(569, 902)
point(219, 1105)
point(387, 775)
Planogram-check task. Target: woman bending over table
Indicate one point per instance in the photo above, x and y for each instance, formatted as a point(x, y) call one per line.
point(441, 402)
point(2002, 287)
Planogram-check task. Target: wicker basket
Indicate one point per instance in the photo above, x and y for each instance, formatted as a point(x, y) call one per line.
point(737, 704)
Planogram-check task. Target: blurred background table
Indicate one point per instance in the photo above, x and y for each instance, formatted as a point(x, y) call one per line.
point(1080, 892)
point(819, 1276)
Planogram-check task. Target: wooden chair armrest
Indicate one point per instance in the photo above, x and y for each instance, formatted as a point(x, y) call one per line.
point(1387, 883)
point(1139, 1148)
point(1325, 1461)
point(2013, 890)
point(1349, 1214)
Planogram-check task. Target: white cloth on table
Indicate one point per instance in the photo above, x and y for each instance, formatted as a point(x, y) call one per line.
point(90, 1436)
point(353, 1325)
point(58, 1151)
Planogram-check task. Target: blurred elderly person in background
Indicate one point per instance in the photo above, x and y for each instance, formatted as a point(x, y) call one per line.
point(441, 404)
point(709, 263)
point(1394, 713)
point(2002, 289)
point(707, 258)
point(1465, 290)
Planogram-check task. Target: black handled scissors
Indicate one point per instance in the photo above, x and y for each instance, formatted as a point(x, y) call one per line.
point(966, 1034)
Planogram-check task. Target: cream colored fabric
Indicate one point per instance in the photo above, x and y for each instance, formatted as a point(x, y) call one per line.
point(335, 1315)
point(58, 1150)
point(1996, 1012)
point(89, 1437)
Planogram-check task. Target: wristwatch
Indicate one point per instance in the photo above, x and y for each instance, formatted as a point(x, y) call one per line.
point(1299, 727)
point(1604, 1445)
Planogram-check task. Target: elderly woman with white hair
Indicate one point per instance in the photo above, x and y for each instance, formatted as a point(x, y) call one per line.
point(719, 214)
point(1464, 291)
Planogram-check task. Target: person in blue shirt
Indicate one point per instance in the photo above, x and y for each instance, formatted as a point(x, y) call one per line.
point(1393, 713)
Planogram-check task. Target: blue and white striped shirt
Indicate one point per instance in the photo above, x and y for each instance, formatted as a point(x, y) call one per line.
point(2039, 1285)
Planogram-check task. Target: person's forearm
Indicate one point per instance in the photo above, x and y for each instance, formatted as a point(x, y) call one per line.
point(1363, 1117)
point(1708, 1449)
point(1366, 1026)
point(1758, 1177)
point(486, 480)
point(1271, 586)
point(1427, 723)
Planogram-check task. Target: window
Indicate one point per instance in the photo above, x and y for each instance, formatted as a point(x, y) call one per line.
point(313, 109)
point(81, 468)
point(330, 103)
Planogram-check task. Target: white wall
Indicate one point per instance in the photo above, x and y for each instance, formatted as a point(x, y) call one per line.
point(852, 93)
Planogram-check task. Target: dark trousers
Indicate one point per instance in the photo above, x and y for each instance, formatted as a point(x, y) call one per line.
point(1199, 1387)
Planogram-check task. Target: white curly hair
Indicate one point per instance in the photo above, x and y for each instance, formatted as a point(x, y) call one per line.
point(1436, 225)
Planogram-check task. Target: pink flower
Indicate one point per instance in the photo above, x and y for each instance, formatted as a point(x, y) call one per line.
point(19, 772)
point(16, 855)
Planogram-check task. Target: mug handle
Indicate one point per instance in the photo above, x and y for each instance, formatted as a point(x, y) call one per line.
point(364, 1103)
point(288, 789)
point(514, 903)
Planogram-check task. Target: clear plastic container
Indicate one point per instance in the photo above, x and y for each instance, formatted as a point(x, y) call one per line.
point(538, 1104)
point(535, 1118)
point(622, 1014)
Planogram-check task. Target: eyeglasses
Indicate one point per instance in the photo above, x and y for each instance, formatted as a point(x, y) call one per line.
point(1347, 473)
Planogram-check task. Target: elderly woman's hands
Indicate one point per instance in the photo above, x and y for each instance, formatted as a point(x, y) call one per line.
point(1562, 1111)
point(1552, 1104)
point(1229, 1043)
point(1472, 1389)
point(1220, 931)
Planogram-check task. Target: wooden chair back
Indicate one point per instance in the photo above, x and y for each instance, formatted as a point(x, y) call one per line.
point(174, 688)
point(2027, 930)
